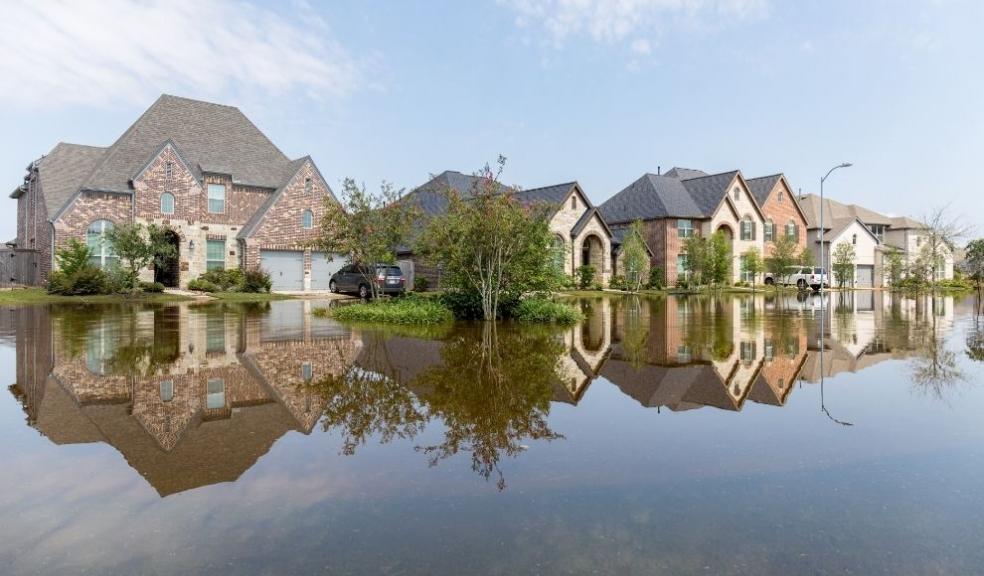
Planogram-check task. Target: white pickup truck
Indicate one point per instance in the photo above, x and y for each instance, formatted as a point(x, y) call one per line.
point(802, 277)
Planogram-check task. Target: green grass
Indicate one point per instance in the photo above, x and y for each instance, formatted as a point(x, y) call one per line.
point(543, 311)
point(406, 310)
point(39, 296)
point(248, 296)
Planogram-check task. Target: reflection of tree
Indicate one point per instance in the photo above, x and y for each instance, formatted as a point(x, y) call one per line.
point(935, 367)
point(975, 335)
point(492, 391)
point(709, 328)
point(635, 337)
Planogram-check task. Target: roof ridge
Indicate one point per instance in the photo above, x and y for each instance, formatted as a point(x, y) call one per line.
point(766, 176)
point(709, 175)
point(111, 150)
point(187, 99)
point(571, 183)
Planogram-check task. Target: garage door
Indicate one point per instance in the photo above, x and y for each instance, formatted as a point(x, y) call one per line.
point(286, 268)
point(322, 269)
point(866, 275)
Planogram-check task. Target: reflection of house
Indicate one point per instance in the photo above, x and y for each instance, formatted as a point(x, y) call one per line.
point(189, 395)
point(689, 353)
point(588, 345)
point(582, 237)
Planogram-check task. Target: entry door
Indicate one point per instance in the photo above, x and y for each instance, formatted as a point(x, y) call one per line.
point(286, 268)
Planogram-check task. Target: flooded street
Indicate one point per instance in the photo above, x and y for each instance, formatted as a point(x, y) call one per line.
point(723, 435)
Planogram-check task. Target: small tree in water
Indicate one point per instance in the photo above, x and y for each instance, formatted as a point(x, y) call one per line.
point(843, 263)
point(752, 264)
point(490, 244)
point(782, 258)
point(367, 228)
point(635, 256)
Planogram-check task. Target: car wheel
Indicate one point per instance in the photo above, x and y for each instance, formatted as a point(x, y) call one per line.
point(363, 291)
point(801, 284)
point(333, 287)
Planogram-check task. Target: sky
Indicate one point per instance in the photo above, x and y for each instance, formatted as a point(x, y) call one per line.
point(587, 90)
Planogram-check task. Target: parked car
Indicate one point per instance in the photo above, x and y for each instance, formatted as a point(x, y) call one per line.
point(802, 277)
point(355, 279)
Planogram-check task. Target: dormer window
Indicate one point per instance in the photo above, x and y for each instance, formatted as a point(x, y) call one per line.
point(216, 198)
point(308, 186)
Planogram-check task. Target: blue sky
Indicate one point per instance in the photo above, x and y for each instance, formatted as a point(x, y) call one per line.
point(598, 92)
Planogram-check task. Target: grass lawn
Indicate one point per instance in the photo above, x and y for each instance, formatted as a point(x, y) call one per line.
point(39, 296)
point(407, 310)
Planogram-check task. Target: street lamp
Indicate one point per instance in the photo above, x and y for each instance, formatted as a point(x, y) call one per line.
point(823, 269)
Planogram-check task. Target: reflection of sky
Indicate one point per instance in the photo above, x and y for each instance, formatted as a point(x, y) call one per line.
point(766, 490)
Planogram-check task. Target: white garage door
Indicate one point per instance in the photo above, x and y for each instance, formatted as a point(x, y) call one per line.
point(286, 268)
point(322, 269)
point(866, 275)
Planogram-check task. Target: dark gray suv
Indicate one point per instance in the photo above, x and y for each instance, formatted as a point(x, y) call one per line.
point(355, 279)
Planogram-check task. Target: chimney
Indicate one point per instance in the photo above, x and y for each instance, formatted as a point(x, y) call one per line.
point(659, 170)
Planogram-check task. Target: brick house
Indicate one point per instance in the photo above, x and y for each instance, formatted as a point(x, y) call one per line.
point(682, 203)
point(783, 214)
point(581, 236)
point(227, 194)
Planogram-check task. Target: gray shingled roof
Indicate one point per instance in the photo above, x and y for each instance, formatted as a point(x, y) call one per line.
point(555, 194)
point(761, 187)
point(63, 170)
point(211, 137)
point(648, 198)
point(430, 197)
point(708, 191)
point(684, 173)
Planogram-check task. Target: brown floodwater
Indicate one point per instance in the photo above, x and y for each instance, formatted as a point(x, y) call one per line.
point(712, 435)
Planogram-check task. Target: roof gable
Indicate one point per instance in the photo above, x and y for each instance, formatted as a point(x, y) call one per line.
point(212, 138)
point(651, 197)
point(61, 173)
point(253, 224)
point(762, 187)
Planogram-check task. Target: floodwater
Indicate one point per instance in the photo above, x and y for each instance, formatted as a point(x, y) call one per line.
point(730, 435)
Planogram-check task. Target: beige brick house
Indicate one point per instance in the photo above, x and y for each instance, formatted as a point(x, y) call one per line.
point(581, 236)
point(228, 195)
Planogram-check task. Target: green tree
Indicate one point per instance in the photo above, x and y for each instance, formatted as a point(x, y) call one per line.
point(843, 263)
point(942, 232)
point(752, 263)
point(367, 228)
point(974, 262)
point(696, 248)
point(719, 259)
point(806, 258)
point(74, 256)
point(491, 244)
point(894, 266)
point(636, 257)
point(782, 258)
point(138, 247)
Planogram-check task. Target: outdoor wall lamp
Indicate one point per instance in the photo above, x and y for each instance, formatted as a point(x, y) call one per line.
point(191, 246)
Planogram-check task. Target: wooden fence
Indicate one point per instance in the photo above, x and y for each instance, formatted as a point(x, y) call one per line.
point(18, 267)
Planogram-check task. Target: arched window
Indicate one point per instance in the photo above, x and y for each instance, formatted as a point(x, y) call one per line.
point(854, 239)
point(102, 250)
point(747, 231)
point(779, 197)
point(167, 203)
point(308, 185)
point(737, 193)
point(769, 230)
point(308, 219)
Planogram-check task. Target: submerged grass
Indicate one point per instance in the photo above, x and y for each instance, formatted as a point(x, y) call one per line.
point(39, 296)
point(544, 311)
point(407, 310)
point(249, 296)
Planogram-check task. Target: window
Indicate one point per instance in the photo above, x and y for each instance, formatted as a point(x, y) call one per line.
point(308, 185)
point(573, 202)
point(308, 220)
point(99, 349)
point(779, 196)
point(878, 230)
point(747, 352)
point(102, 250)
point(685, 228)
point(215, 394)
point(682, 271)
point(167, 203)
point(918, 241)
point(216, 198)
point(768, 230)
point(215, 254)
point(746, 276)
point(854, 239)
point(683, 354)
point(167, 390)
point(215, 333)
point(168, 171)
point(307, 371)
point(736, 193)
point(747, 228)
point(792, 230)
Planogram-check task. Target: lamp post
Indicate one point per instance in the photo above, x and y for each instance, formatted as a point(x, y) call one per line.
point(823, 269)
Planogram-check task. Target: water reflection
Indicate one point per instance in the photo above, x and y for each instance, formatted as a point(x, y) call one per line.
point(195, 395)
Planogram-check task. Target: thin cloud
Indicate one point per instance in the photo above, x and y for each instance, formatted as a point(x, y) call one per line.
point(67, 52)
point(607, 21)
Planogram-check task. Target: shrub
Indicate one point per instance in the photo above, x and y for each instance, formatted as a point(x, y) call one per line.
point(120, 280)
point(618, 283)
point(542, 310)
point(467, 305)
point(73, 257)
point(202, 285)
point(407, 310)
point(656, 279)
point(87, 280)
point(155, 287)
point(256, 280)
point(225, 280)
point(420, 284)
point(585, 276)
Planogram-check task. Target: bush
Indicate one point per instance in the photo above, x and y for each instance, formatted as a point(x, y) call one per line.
point(155, 287)
point(120, 281)
point(407, 310)
point(225, 280)
point(585, 276)
point(85, 281)
point(256, 281)
point(618, 283)
point(201, 285)
point(420, 284)
point(656, 279)
point(468, 305)
point(542, 310)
